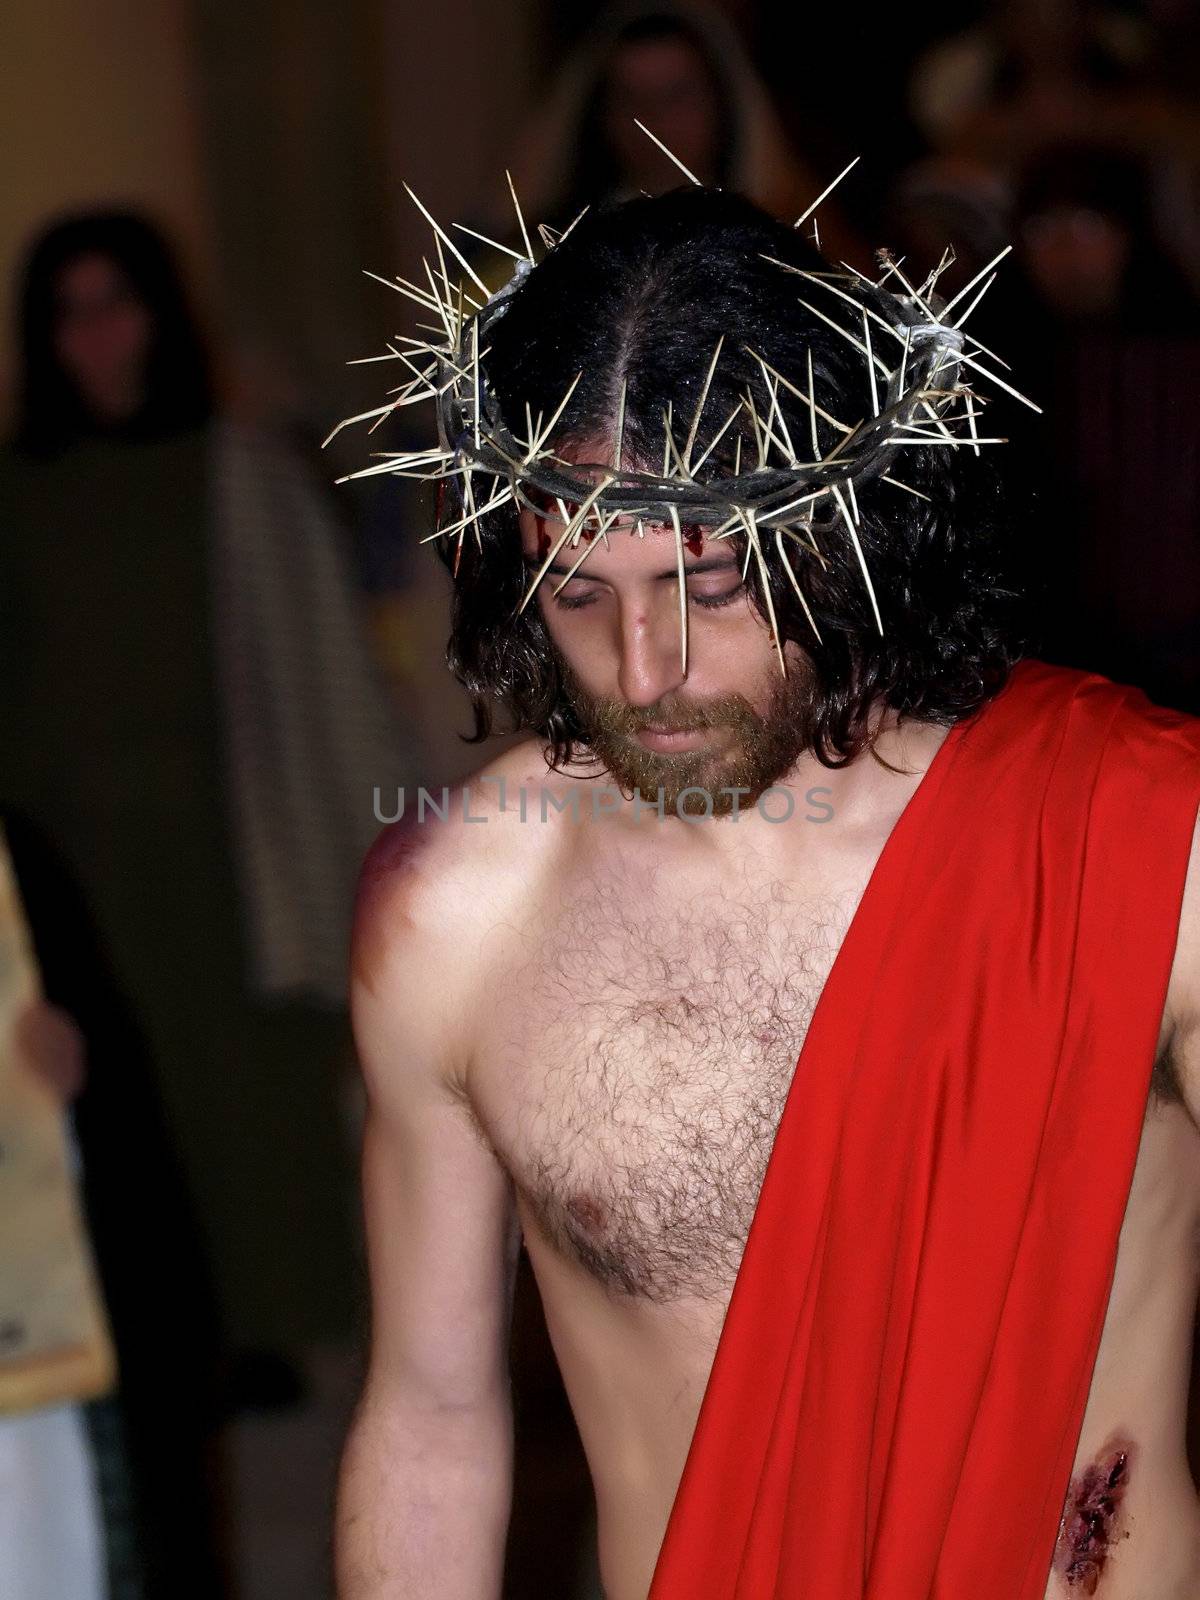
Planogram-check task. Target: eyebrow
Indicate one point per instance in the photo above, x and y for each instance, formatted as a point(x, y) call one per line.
point(708, 564)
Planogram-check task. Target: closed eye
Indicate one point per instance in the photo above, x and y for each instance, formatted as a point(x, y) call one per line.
point(710, 602)
point(725, 598)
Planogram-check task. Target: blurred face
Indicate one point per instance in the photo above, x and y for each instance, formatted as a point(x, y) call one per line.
point(665, 84)
point(1077, 259)
point(731, 720)
point(102, 336)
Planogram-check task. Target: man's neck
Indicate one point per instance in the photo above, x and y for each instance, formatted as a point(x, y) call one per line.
point(806, 806)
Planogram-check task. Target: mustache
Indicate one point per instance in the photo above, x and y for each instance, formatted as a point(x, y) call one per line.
point(617, 717)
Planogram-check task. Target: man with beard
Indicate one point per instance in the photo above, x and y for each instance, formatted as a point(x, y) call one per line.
point(825, 1233)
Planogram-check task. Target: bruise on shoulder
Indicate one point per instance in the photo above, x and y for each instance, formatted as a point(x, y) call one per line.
point(1092, 1522)
point(392, 854)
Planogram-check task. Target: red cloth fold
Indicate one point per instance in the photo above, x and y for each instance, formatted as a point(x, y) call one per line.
point(900, 1383)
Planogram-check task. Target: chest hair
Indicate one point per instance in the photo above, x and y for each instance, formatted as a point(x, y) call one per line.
point(659, 1040)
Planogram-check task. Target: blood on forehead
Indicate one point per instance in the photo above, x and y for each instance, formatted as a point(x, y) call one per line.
point(546, 508)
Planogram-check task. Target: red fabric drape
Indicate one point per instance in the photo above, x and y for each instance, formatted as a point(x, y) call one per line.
point(901, 1379)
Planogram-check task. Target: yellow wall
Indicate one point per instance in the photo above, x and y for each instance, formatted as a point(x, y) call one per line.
point(97, 106)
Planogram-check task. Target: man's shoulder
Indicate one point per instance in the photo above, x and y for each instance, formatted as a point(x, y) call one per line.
point(1032, 678)
point(1101, 709)
point(1148, 755)
point(461, 858)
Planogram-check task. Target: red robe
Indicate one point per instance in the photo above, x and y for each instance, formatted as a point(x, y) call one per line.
point(900, 1382)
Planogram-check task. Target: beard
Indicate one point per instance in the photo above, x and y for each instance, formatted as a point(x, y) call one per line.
point(757, 749)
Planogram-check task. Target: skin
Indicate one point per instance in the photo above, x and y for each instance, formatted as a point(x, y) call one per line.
point(554, 1017)
point(102, 336)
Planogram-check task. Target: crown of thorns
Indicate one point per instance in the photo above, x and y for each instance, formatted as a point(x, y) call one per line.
point(788, 491)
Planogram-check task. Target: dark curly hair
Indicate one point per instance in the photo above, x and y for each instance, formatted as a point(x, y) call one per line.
point(639, 294)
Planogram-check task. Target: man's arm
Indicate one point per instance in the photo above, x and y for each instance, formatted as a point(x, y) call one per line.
point(425, 1486)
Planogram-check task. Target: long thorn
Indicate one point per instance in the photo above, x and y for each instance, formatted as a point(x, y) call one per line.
point(908, 489)
point(758, 433)
point(787, 567)
point(544, 433)
point(751, 525)
point(448, 241)
point(718, 436)
point(572, 225)
point(672, 449)
point(576, 521)
point(822, 278)
point(828, 190)
point(912, 293)
point(870, 365)
point(784, 445)
point(691, 438)
point(402, 286)
point(475, 386)
point(846, 518)
point(975, 302)
point(588, 546)
point(848, 336)
point(992, 378)
point(682, 577)
point(442, 311)
point(501, 499)
point(967, 287)
point(520, 217)
point(812, 405)
point(804, 500)
point(483, 239)
point(670, 155)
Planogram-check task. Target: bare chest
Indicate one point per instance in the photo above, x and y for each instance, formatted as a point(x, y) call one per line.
point(636, 1066)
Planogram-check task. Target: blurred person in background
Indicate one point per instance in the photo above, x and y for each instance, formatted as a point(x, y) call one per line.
point(196, 725)
point(120, 1495)
point(1031, 74)
point(1026, 71)
point(1087, 241)
point(1111, 329)
point(681, 69)
point(947, 198)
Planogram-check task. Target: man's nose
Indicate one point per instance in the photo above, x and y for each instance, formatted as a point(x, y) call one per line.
point(651, 664)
